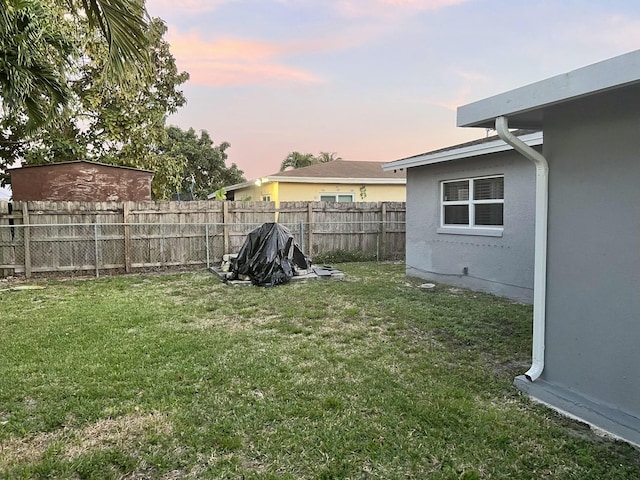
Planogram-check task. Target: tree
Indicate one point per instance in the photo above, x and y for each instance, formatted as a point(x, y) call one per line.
point(297, 160)
point(123, 24)
point(205, 169)
point(117, 123)
point(37, 58)
point(326, 157)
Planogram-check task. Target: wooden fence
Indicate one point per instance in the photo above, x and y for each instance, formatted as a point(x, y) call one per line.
point(44, 237)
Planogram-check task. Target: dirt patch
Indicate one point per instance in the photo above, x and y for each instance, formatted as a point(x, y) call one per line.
point(124, 433)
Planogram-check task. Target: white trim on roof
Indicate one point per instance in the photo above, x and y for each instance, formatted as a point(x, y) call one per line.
point(333, 180)
point(531, 139)
point(609, 74)
point(237, 186)
point(341, 180)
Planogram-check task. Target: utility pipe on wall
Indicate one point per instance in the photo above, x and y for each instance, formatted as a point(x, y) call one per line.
point(540, 249)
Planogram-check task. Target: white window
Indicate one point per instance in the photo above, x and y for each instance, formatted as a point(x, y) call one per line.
point(473, 203)
point(266, 198)
point(336, 197)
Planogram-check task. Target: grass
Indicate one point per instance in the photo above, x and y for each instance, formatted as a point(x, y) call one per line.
point(180, 376)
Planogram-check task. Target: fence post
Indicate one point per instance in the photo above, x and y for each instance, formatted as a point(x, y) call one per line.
point(310, 228)
point(95, 243)
point(26, 235)
point(206, 242)
point(383, 227)
point(301, 235)
point(126, 209)
point(225, 227)
point(4, 234)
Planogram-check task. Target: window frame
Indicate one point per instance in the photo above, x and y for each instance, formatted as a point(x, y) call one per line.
point(470, 228)
point(336, 195)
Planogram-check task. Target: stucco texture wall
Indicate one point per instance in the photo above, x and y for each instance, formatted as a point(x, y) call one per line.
point(310, 192)
point(593, 280)
point(499, 265)
point(256, 193)
point(293, 192)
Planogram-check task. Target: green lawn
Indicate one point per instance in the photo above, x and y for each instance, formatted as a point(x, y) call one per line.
point(180, 376)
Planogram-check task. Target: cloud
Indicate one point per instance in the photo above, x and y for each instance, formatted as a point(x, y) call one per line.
point(376, 8)
point(421, 4)
point(224, 62)
point(463, 86)
point(183, 7)
point(615, 30)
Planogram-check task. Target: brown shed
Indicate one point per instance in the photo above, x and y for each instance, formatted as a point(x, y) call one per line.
point(80, 181)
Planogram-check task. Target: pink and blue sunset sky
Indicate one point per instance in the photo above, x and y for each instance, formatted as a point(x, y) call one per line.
point(370, 79)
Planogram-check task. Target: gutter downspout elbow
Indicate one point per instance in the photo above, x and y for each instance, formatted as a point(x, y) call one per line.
point(540, 252)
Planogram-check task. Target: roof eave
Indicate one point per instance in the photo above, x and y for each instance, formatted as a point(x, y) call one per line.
point(340, 180)
point(531, 139)
point(230, 188)
point(523, 106)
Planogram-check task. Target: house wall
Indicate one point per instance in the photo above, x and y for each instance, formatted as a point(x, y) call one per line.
point(255, 193)
point(310, 192)
point(593, 281)
point(82, 182)
point(499, 265)
point(296, 192)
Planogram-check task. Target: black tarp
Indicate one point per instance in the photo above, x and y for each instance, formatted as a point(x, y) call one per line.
point(269, 256)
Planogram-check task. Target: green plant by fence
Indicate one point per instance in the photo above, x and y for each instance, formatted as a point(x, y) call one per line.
point(112, 237)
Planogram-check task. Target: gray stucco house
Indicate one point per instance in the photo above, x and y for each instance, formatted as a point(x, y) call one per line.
point(586, 325)
point(470, 216)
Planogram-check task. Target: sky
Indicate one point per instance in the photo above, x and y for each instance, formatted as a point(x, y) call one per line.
point(375, 80)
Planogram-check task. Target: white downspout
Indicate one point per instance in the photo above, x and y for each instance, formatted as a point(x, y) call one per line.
point(540, 253)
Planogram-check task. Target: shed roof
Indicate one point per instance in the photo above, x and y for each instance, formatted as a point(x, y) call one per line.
point(524, 106)
point(81, 161)
point(473, 148)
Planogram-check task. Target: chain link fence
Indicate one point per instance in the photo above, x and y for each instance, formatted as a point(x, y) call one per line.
point(111, 248)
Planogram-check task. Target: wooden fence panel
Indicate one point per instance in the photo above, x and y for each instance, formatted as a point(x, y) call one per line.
point(62, 236)
point(7, 246)
point(395, 221)
point(295, 216)
point(371, 228)
point(85, 236)
point(242, 218)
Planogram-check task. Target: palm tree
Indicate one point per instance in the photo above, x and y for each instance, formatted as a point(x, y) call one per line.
point(37, 57)
point(325, 157)
point(34, 53)
point(123, 24)
point(298, 160)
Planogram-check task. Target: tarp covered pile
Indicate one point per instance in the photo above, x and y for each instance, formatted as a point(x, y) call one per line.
point(269, 256)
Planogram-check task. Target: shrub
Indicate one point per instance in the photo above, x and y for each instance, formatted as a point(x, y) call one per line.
point(343, 256)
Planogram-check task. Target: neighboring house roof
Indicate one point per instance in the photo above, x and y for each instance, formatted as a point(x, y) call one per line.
point(524, 106)
point(337, 171)
point(473, 148)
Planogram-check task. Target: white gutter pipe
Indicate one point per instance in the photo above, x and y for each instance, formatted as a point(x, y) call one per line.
point(540, 258)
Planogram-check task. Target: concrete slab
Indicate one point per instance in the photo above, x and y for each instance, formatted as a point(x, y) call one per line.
point(316, 273)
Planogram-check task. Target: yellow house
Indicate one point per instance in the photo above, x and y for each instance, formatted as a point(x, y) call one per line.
point(337, 181)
